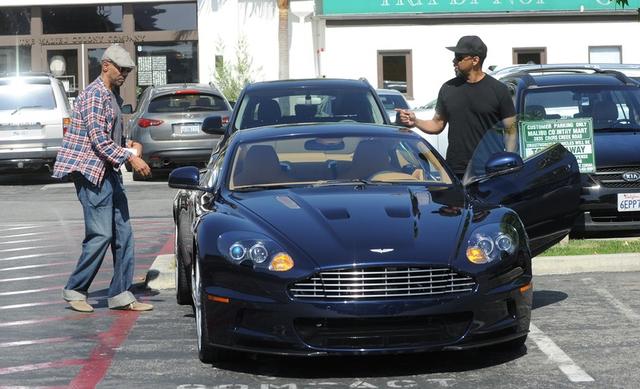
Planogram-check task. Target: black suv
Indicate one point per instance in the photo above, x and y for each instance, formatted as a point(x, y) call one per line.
point(610, 195)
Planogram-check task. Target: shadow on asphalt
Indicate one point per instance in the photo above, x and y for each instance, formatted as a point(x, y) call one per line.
point(40, 177)
point(543, 298)
point(368, 366)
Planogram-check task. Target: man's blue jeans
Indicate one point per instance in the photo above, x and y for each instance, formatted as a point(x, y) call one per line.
point(106, 220)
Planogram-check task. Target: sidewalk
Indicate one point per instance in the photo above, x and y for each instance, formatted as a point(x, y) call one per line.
point(161, 274)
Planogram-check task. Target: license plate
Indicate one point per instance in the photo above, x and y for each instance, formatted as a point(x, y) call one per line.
point(21, 134)
point(186, 129)
point(628, 202)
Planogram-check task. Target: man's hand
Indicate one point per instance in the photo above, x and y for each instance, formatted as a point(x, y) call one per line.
point(405, 117)
point(140, 166)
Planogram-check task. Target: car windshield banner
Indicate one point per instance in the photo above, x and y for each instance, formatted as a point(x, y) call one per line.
point(576, 135)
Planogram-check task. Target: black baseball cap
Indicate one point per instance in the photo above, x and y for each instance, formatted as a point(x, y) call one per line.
point(470, 45)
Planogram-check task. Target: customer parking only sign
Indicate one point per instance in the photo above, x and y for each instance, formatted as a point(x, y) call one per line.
point(576, 135)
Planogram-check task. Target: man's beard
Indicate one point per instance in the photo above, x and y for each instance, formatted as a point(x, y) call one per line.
point(460, 74)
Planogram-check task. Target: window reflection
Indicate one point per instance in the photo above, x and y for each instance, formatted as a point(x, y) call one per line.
point(9, 63)
point(15, 21)
point(166, 62)
point(162, 17)
point(82, 19)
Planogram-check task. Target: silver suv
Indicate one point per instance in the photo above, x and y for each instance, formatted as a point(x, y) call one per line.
point(167, 123)
point(34, 115)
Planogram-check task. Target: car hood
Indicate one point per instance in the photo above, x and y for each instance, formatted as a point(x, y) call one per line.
point(617, 149)
point(346, 226)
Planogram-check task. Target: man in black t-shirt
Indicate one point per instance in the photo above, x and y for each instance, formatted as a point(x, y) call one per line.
point(471, 103)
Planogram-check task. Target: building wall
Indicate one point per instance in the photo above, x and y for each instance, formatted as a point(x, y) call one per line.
point(351, 50)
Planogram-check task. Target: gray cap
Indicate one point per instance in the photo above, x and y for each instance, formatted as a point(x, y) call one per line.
point(118, 55)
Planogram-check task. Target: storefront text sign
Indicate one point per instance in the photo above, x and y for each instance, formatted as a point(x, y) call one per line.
point(337, 7)
point(576, 135)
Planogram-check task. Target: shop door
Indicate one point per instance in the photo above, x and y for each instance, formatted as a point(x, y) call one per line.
point(64, 63)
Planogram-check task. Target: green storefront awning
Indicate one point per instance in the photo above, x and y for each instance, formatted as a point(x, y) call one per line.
point(356, 7)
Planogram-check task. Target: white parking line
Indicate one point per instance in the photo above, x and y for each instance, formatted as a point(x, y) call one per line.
point(624, 309)
point(30, 248)
point(556, 355)
point(28, 256)
point(23, 241)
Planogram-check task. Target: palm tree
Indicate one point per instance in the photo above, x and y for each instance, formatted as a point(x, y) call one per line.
point(283, 39)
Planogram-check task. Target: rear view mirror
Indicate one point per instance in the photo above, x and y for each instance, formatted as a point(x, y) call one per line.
point(127, 109)
point(213, 125)
point(187, 177)
point(324, 144)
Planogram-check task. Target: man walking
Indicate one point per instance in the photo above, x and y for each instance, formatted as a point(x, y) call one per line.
point(471, 103)
point(91, 155)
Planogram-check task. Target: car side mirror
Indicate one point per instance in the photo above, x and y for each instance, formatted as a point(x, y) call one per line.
point(503, 162)
point(213, 125)
point(127, 109)
point(187, 177)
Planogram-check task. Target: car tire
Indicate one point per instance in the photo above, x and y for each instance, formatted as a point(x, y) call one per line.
point(183, 287)
point(206, 352)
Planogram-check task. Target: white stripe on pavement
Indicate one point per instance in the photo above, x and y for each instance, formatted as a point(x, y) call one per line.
point(622, 307)
point(556, 355)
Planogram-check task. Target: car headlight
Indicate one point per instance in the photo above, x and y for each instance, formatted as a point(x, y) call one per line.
point(490, 242)
point(239, 247)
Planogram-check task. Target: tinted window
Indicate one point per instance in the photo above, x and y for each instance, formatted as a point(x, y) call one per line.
point(393, 101)
point(187, 102)
point(609, 107)
point(25, 95)
point(82, 19)
point(15, 21)
point(157, 17)
point(262, 108)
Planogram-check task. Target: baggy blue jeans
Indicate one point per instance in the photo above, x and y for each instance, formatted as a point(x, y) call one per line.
point(106, 221)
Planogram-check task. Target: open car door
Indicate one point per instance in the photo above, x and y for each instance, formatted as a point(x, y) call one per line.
point(544, 190)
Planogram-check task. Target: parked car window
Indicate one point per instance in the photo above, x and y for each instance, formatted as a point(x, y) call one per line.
point(187, 102)
point(319, 105)
point(608, 106)
point(32, 95)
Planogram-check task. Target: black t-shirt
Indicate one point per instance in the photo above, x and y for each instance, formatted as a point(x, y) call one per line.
point(471, 109)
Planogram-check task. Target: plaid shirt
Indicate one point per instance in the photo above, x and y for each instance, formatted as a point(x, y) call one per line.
point(87, 147)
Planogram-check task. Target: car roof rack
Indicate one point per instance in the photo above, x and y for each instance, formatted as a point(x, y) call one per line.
point(577, 69)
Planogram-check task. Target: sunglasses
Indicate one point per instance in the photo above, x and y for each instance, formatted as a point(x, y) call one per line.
point(461, 57)
point(122, 70)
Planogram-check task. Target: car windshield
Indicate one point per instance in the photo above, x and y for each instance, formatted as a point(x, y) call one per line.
point(19, 95)
point(326, 161)
point(609, 107)
point(307, 105)
point(187, 103)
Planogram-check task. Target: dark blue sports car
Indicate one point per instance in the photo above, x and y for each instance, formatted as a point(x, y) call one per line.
point(352, 238)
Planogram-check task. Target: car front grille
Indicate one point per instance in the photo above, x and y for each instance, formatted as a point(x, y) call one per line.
point(383, 332)
point(381, 283)
point(612, 177)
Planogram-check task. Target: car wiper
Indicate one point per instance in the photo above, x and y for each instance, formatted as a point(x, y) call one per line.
point(25, 107)
point(349, 182)
point(255, 188)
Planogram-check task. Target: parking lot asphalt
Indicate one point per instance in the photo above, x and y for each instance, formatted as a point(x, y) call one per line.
point(161, 274)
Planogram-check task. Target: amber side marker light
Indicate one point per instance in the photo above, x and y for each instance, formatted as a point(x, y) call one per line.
point(218, 299)
point(281, 262)
point(526, 287)
point(476, 255)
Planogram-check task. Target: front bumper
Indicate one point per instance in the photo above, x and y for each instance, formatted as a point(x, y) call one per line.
point(262, 324)
point(599, 210)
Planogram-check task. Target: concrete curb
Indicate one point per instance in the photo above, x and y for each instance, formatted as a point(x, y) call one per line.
point(161, 274)
point(586, 264)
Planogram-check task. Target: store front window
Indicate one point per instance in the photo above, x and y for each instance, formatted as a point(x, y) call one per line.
point(15, 60)
point(82, 19)
point(15, 21)
point(165, 63)
point(165, 17)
